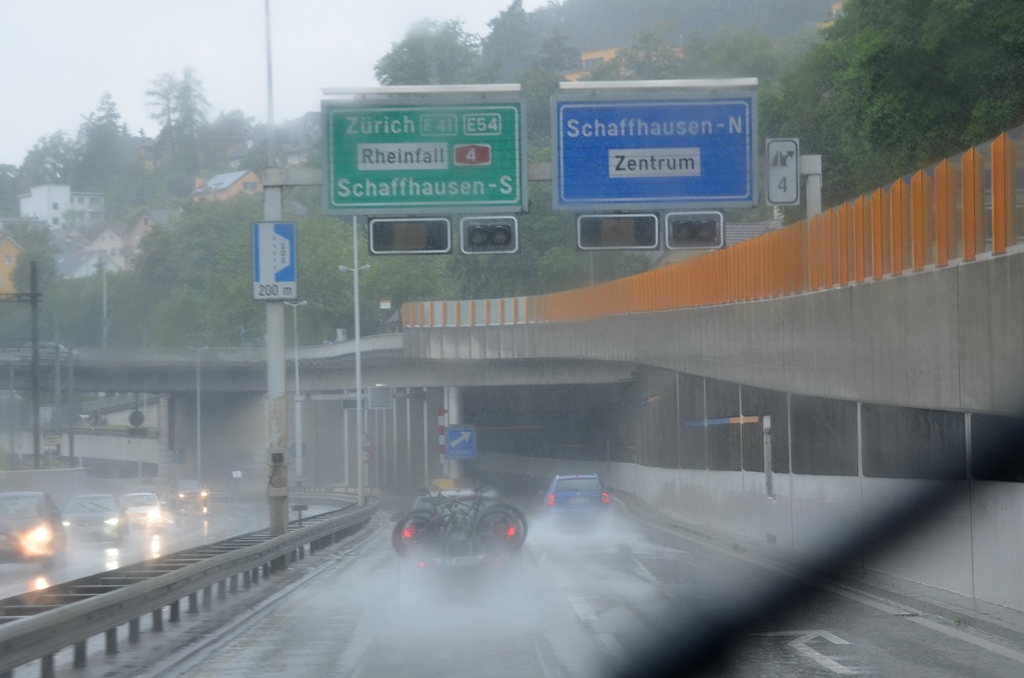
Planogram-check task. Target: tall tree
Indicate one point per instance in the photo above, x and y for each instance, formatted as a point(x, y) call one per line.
point(652, 56)
point(432, 53)
point(180, 107)
point(106, 147)
point(511, 45)
point(9, 190)
point(51, 161)
point(894, 86)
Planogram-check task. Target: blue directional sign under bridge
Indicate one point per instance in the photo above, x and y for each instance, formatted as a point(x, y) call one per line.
point(461, 442)
point(656, 152)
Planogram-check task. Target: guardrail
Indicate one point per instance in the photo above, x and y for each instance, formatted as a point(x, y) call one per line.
point(966, 207)
point(41, 635)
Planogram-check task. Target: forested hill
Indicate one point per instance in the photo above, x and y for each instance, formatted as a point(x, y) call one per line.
point(595, 24)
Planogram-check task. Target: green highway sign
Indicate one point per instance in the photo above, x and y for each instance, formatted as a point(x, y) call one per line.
point(423, 159)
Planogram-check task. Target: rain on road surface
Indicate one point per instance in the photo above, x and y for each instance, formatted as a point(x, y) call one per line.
point(582, 604)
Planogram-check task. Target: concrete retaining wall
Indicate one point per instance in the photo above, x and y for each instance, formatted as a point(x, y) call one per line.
point(61, 484)
point(947, 338)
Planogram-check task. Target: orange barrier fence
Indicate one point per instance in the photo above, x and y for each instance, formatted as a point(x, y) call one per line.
point(962, 208)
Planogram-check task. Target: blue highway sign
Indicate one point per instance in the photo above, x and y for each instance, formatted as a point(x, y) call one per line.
point(461, 442)
point(655, 152)
point(274, 274)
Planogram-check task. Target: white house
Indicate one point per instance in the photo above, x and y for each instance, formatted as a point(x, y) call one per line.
point(60, 207)
point(109, 243)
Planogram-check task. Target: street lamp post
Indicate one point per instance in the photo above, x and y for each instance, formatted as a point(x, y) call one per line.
point(199, 414)
point(359, 359)
point(104, 321)
point(298, 392)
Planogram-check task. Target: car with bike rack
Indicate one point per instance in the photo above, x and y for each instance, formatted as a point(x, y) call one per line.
point(458, 528)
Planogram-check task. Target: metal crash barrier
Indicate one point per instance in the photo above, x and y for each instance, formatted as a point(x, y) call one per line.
point(69, 614)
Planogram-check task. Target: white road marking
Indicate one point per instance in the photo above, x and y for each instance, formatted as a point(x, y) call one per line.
point(614, 649)
point(927, 623)
point(800, 645)
point(611, 645)
point(585, 612)
point(864, 599)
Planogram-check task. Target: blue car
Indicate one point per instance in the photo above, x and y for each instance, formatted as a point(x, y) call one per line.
point(576, 498)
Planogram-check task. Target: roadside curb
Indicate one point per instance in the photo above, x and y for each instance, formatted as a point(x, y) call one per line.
point(959, 615)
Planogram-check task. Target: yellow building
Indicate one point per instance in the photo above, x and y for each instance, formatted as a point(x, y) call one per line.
point(9, 253)
point(834, 13)
point(591, 59)
point(225, 186)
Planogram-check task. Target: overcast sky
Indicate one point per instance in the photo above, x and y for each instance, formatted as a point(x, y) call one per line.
point(59, 56)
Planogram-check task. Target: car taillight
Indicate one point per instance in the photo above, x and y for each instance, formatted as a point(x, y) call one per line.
point(511, 531)
point(551, 499)
point(605, 498)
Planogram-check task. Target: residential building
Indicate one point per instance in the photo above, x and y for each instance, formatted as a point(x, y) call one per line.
point(9, 253)
point(133, 235)
point(59, 207)
point(109, 242)
point(82, 264)
point(834, 13)
point(225, 186)
point(591, 59)
point(300, 139)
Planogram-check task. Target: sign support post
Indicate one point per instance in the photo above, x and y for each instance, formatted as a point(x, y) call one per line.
point(810, 167)
point(277, 442)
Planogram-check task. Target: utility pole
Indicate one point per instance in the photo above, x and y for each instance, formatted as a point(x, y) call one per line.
point(33, 299)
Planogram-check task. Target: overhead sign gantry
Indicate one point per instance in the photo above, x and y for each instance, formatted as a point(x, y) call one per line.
point(655, 144)
point(424, 150)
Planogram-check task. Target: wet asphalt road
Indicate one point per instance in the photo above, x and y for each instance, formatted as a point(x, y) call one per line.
point(578, 603)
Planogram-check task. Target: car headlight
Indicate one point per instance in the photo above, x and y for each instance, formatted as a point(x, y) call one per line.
point(112, 521)
point(38, 541)
point(181, 495)
point(153, 515)
point(40, 535)
point(66, 523)
point(203, 493)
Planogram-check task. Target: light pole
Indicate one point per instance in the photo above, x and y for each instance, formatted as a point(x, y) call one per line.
point(298, 403)
point(359, 359)
point(104, 321)
point(199, 415)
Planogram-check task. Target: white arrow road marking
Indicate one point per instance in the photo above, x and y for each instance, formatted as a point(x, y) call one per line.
point(800, 645)
point(463, 437)
point(846, 593)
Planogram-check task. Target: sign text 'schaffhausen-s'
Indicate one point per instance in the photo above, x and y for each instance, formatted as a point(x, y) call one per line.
point(419, 159)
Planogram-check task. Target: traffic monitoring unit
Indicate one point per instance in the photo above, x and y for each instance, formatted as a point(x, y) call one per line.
point(423, 159)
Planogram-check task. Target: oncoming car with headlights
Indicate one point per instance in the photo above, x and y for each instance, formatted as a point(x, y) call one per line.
point(191, 494)
point(30, 528)
point(144, 510)
point(96, 516)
